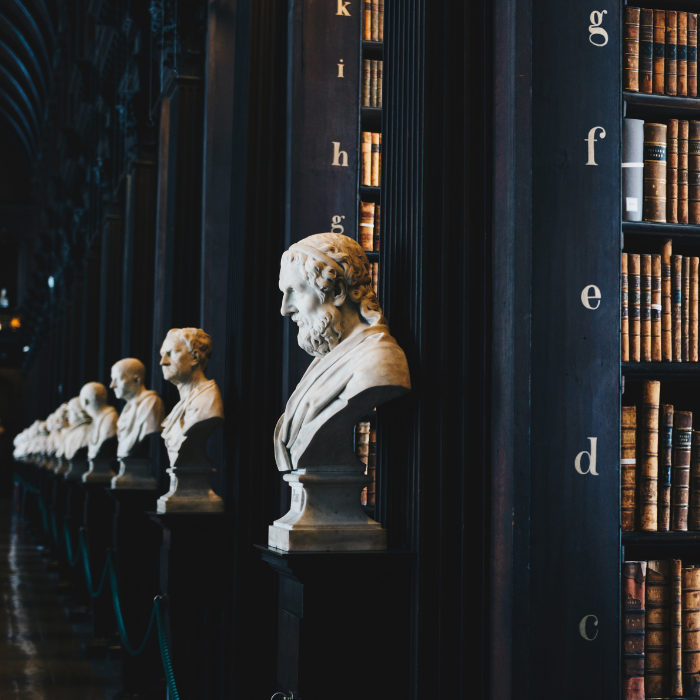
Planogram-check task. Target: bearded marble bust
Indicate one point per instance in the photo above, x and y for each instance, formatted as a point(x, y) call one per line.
point(78, 432)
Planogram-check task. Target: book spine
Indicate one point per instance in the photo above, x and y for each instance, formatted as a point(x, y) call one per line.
point(377, 226)
point(682, 54)
point(694, 490)
point(373, 84)
point(676, 688)
point(632, 169)
point(657, 661)
point(646, 50)
point(656, 308)
point(375, 20)
point(685, 310)
point(682, 429)
point(380, 78)
point(646, 308)
point(635, 308)
point(666, 324)
point(683, 172)
point(380, 21)
point(366, 158)
point(362, 451)
point(659, 51)
point(671, 52)
point(690, 620)
point(694, 172)
point(665, 466)
point(375, 278)
point(693, 310)
point(655, 172)
point(628, 467)
point(372, 467)
point(375, 160)
point(633, 624)
point(672, 173)
point(677, 302)
point(692, 54)
point(366, 234)
point(649, 456)
point(367, 21)
point(624, 311)
point(366, 81)
point(630, 50)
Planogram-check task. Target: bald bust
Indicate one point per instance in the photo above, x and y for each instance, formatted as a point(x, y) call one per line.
point(93, 399)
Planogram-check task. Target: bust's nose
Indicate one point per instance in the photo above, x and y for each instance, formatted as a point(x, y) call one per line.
point(287, 309)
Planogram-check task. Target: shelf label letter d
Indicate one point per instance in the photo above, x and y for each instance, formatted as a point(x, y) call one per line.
point(591, 469)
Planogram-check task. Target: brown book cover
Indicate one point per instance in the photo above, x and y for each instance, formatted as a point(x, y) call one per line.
point(367, 21)
point(676, 308)
point(693, 310)
point(659, 51)
point(377, 226)
point(366, 158)
point(366, 82)
point(379, 162)
point(657, 658)
point(362, 451)
point(692, 54)
point(380, 21)
point(648, 448)
point(694, 490)
point(685, 310)
point(666, 323)
point(366, 236)
point(665, 466)
point(375, 278)
point(380, 78)
point(646, 308)
point(676, 689)
point(655, 172)
point(683, 172)
point(690, 619)
point(672, 172)
point(646, 49)
point(682, 430)
point(682, 54)
point(633, 624)
point(628, 467)
point(375, 20)
point(656, 308)
point(372, 466)
point(373, 84)
point(624, 311)
point(635, 308)
point(671, 53)
point(694, 172)
point(630, 50)
point(375, 160)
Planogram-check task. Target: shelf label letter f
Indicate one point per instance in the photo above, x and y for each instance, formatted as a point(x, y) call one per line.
point(591, 140)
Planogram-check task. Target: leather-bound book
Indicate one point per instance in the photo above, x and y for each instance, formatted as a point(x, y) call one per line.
point(656, 308)
point(375, 20)
point(682, 54)
point(646, 308)
point(685, 310)
point(659, 74)
point(380, 21)
point(692, 54)
point(691, 632)
point(372, 466)
point(648, 448)
point(655, 172)
point(693, 310)
point(672, 172)
point(665, 466)
point(624, 311)
point(628, 467)
point(677, 301)
point(683, 172)
point(666, 323)
point(671, 52)
point(657, 657)
point(632, 169)
point(694, 491)
point(646, 49)
point(362, 451)
point(367, 21)
point(373, 84)
point(366, 237)
point(635, 308)
point(375, 278)
point(633, 624)
point(682, 430)
point(366, 82)
point(630, 50)
point(377, 225)
point(366, 158)
point(380, 78)
point(375, 160)
point(694, 172)
point(676, 689)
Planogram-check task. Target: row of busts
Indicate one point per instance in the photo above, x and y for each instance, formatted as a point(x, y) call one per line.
point(86, 439)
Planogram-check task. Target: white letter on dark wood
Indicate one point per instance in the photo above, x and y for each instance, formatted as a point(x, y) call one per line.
point(596, 30)
point(582, 628)
point(591, 292)
point(342, 8)
point(339, 157)
point(336, 226)
point(591, 140)
point(591, 459)
point(340, 69)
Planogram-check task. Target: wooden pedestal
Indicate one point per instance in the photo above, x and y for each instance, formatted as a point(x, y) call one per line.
point(75, 517)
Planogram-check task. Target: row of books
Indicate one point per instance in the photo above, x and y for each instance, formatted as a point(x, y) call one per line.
point(660, 630)
point(371, 159)
point(661, 169)
point(659, 314)
point(372, 83)
point(373, 21)
point(370, 226)
point(659, 466)
point(366, 451)
point(660, 52)
point(374, 272)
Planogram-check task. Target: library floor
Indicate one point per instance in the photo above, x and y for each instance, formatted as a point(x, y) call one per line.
point(40, 652)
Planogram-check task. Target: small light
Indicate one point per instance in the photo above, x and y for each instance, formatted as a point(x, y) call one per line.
point(52, 282)
point(15, 322)
point(25, 348)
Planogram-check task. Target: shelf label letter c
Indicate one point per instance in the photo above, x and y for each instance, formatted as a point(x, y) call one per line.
point(591, 293)
point(591, 459)
point(582, 628)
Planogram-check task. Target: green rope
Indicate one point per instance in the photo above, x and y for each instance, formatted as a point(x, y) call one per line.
point(86, 566)
point(72, 560)
point(165, 652)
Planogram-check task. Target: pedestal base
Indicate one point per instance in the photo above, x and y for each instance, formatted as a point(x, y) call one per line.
point(326, 515)
point(100, 472)
point(190, 492)
point(76, 469)
point(134, 473)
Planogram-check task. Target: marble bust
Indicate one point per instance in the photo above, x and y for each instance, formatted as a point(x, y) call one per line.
point(102, 443)
point(327, 291)
point(62, 425)
point(141, 417)
point(75, 444)
point(184, 358)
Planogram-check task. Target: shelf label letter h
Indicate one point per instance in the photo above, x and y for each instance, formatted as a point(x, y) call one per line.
point(591, 459)
point(339, 157)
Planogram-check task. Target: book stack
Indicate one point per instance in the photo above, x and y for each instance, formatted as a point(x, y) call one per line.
point(660, 629)
point(366, 451)
point(371, 159)
point(373, 20)
point(374, 272)
point(659, 307)
point(660, 52)
point(370, 225)
point(372, 83)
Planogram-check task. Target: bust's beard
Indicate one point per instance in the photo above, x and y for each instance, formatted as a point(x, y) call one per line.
point(319, 334)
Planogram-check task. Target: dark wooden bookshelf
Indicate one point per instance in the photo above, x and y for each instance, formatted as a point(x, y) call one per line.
point(660, 538)
point(674, 231)
point(661, 370)
point(684, 107)
point(372, 255)
point(373, 50)
point(369, 194)
point(371, 118)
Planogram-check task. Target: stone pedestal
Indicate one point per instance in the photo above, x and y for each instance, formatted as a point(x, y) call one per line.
point(63, 466)
point(326, 515)
point(134, 473)
point(190, 492)
point(100, 471)
point(75, 519)
point(337, 610)
point(76, 469)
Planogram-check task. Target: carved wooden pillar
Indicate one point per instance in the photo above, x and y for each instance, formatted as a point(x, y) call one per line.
point(91, 318)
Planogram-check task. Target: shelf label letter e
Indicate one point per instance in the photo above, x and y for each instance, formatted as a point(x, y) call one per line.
point(590, 297)
point(592, 140)
point(343, 10)
point(582, 627)
point(591, 469)
point(596, 30)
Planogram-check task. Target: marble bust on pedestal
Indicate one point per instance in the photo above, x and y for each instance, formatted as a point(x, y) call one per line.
point(75, 444)
point(62, 425)
point(184, 359)
point(141, 418)
point(102, 443)
point(327, 291)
